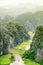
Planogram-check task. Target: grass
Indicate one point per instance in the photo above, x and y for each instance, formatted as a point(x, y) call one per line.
point(20, 49)
point(23, 45)
point(5, 59)
point(30, 62)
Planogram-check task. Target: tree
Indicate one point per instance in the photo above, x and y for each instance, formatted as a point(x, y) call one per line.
point(37, 41)
point(36, 47)
point(1, 46)
point(18, 32)
point(4, 41)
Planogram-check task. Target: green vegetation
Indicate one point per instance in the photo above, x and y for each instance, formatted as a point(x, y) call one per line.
point(37, 44)
point(37, 41)
point(20, 49)
point(18, 32)
point(30, 54)
point(4, 41)
point(31, 20)
point(30, 62)
point(14, 30)
point(5, 59)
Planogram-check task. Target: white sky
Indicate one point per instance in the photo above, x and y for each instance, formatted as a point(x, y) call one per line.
point(17, 2)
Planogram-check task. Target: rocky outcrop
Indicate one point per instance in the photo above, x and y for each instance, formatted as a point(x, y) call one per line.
point(1, 46)
point(39, 54)
point(4, 42)
point(37, 43)
point(11, 42)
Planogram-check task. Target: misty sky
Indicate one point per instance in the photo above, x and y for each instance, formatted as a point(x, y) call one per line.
point(18, 2)
point(16, 7)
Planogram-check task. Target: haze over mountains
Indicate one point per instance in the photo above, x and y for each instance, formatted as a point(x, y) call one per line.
point(14, 11)
point(29, 20)
point(28, 14)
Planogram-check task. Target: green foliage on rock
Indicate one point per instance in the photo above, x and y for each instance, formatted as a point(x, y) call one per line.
point(29, 54)
point(37, 41)
point(36, 47)
point(4, 41)
point(18, 32)
point(14, 30)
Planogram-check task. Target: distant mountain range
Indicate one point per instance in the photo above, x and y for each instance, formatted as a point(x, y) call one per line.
point(31, 20)
point(28, 19)
point(14, 11)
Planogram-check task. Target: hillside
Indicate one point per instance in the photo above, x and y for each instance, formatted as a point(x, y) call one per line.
point(29, 20)
point(6, 19)
point(36, 47)
point(11, 35)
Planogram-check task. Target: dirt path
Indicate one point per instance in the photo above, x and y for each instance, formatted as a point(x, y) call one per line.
point(18, 61)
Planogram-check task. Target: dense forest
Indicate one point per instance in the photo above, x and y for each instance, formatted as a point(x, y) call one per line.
point(15, 37)
point(36, 47)
point(14, 31)
point(21, 32)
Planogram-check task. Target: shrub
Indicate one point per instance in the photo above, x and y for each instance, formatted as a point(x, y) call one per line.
point(29, 54)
